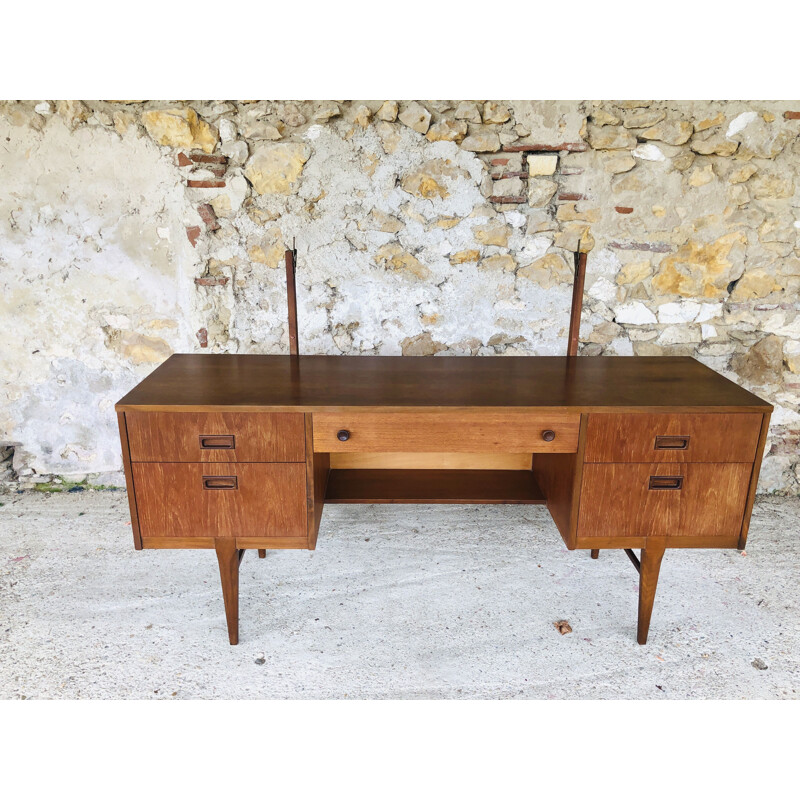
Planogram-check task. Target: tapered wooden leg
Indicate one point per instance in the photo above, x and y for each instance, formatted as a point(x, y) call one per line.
point(262, 553)
point(595, 553)
point(229, 558)
point(650, 564)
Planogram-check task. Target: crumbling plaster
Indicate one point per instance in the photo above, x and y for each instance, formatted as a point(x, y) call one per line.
point(129, 231)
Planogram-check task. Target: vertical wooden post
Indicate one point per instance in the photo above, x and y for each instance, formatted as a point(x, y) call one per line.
point(577, 303)
point(291, 299)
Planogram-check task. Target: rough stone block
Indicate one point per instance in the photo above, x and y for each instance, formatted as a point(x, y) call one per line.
point(542, 164)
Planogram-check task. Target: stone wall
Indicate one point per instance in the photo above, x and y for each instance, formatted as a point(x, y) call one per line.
point(129, 231)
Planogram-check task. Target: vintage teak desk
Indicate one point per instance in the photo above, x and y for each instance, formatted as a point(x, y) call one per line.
point(237, 452)
point(232, 452)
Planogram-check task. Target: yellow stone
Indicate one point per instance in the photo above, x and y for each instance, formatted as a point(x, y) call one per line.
point(274, 168)
point(272, 257)
point(222, 205)
point(122, 121)
point(547, 270)
point(701, 269)
point(568, 212)
point(422, 345)
point(447, 131)
point(428, 180)
point(634, 272)
point(619, 164)
point(495, 112)
point(713, 122)
point(670, 132)
point(702, 175)
point(545, 164)
point(390, 137)
point(774, 187)
point(256, 253)
point(425, 186)
point(753, 285)
point(464, 256)
point(494, 233)
point(180, 127)
point(362, 116)
point(388, 111)
point(743, 174)
point(683, 161)
point(659, 211)
point(393, 257)
point(142, 349)
point(417, 117)
point(586, 241)
point(791, 355)
point(503, 263)
point(601, 117)
point(447, 222)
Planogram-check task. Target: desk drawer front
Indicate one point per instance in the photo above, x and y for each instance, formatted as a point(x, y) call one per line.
point(445, 432)
point(672, 438)
point(215, 437)
point(176, 500)
point(663, 499)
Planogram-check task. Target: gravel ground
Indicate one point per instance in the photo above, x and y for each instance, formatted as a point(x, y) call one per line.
point(396, 602)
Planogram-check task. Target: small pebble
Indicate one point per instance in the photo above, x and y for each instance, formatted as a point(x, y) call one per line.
point(261, 660)
point(759, 664)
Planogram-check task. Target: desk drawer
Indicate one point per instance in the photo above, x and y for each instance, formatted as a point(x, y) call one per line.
point(446, 432)
point(255, 500)
point(672, 438)
point(663, 499)
point(215, 436)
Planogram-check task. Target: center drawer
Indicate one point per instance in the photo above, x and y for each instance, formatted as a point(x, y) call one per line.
point(215, 436)
point(175, 500)
point(446, 432)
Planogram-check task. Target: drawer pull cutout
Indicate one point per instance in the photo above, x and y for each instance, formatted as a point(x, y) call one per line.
point(666, 482)
point(343, 436)
point(671, 443)
point(227, 442)
point(220, 482)
point(548, 436)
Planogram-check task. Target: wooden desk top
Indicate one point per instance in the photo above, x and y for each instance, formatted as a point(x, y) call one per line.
point(394, 383)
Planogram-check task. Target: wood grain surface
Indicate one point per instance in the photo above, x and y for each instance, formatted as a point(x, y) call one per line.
point(325, 383)
point(166, 436)
point(446, 431)
point(616, 500)
point(270, 500)
point(708, 437)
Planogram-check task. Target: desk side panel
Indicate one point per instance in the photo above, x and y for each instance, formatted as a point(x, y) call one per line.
point(126, 465)
point(751, 493)
point(317, 474)
point(559, 477)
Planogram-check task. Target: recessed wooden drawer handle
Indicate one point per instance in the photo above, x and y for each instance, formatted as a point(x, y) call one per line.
point(666, 481)
point(220, 482)
point(343, 436)
point(548, 436)
point(218, 442)
point(671, 443)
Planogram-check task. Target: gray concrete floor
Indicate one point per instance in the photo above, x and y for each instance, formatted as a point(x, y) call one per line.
point(396, 602)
